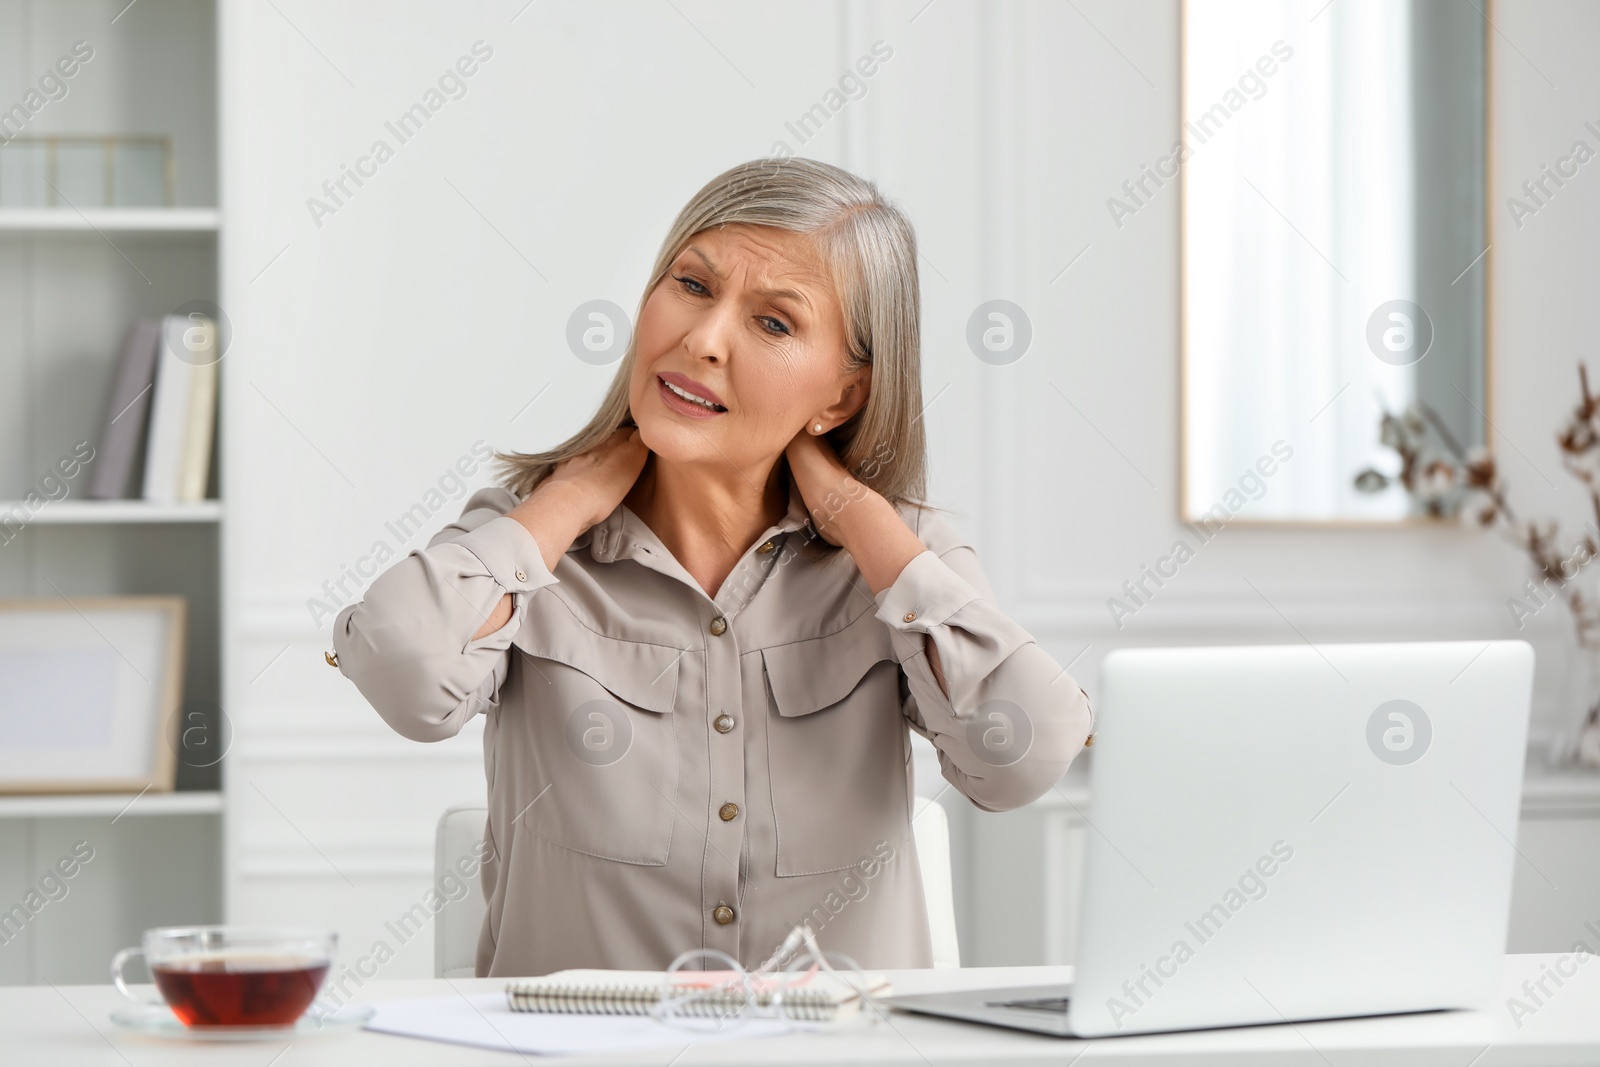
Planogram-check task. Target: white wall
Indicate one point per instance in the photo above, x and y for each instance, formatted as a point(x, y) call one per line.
point(370, 353)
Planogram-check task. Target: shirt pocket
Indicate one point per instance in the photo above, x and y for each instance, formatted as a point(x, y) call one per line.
point(836, 748)
point(597, 722)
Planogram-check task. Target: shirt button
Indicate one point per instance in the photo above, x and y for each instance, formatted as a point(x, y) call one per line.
point(522, 576)
point(764, 549)
point(719, 626)
point(723, 914)
point(911, 616)
point(724, 723)
point(728, 811)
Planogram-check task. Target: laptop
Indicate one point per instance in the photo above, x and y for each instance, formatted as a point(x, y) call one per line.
point(1286, 833)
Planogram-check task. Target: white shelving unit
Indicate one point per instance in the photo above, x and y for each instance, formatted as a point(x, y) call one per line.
point(109, 220)
point(115, 805)
point(71, 281)
point(111, 512)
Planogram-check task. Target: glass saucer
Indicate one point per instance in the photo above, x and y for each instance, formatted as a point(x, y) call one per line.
point(158, 1021)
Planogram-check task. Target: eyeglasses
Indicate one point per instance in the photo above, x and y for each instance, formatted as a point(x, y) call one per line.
point(798, 983)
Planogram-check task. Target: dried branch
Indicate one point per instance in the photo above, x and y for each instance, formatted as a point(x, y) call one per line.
point(1442, 484)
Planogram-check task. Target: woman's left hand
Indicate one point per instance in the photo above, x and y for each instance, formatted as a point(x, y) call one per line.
point(849, 514)
point(858, 519)
point(825, 484)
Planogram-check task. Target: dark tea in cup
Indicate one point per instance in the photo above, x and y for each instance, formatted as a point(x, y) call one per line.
point(243, 990)
point(219, 977)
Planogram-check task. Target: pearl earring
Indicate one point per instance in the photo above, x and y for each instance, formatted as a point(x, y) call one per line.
point(817, 428)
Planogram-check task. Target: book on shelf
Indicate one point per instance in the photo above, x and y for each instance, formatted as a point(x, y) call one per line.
point(202, 418)
point(182, 411)
point(128, 413)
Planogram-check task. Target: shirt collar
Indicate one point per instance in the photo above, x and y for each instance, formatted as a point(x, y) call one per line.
point(622, 532)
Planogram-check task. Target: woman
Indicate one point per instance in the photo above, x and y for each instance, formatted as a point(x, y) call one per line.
point(702, 628)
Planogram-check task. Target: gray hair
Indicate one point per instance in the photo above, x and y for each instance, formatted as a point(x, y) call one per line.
point(870, 251)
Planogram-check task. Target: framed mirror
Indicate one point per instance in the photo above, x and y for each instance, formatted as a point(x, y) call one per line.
point(1335, 251)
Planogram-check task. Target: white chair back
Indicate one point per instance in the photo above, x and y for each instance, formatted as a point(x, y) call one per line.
point(456, 927)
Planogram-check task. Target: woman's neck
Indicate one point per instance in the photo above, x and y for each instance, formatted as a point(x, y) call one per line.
point(707, 519)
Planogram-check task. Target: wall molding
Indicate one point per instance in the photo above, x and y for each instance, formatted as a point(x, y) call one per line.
point(403, 865)
point(365, 752)
point(1216, 609)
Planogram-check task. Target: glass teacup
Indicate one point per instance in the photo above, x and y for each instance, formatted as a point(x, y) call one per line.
point(233, 976)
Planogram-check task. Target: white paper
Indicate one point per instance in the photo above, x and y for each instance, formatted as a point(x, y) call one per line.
point(484, 1020)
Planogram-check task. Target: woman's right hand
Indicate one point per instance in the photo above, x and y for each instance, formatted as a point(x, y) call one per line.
point(582, 490)
point(595, 482)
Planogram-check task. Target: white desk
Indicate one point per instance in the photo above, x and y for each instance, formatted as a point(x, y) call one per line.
point(68, 1025)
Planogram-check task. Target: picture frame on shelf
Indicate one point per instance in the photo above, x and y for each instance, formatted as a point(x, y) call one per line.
point(90, 690)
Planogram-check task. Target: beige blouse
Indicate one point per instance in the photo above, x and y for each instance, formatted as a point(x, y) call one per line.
point(670, 771)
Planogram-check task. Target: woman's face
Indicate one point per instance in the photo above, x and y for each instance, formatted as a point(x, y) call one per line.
point(746, 317)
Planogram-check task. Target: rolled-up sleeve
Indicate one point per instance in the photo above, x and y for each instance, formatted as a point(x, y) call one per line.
point(408, 645)
point(1014, 719)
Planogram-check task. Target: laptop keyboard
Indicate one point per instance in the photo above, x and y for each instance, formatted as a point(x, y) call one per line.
point(1054, 1005)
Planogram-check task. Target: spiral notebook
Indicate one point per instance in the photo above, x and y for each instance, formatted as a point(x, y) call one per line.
point(814, 997)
